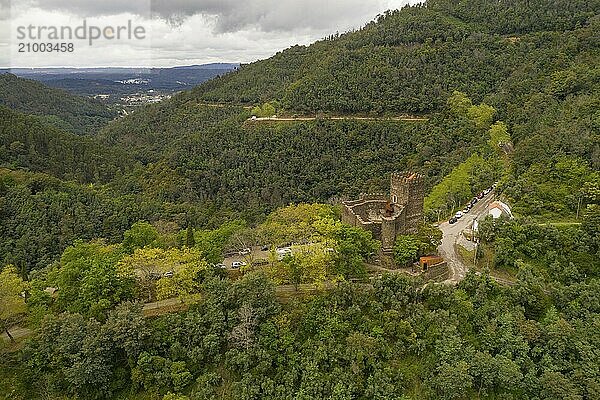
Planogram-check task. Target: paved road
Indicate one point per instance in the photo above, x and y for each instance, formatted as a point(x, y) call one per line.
point(452, 235)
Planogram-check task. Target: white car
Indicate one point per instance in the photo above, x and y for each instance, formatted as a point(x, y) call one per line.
point(245, 251)
point(282, 252)
point(238, 264)
point(458, 215)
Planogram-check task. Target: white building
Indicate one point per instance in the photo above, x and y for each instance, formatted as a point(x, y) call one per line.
point(497, 209)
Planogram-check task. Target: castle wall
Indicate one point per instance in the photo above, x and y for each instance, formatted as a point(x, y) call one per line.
point(388, 234)
point(347, 216)
point(356, 213)
point(414, 209)
point(406, 192)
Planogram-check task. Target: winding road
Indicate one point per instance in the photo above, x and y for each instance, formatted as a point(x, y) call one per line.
point(410, 118)
point(452, 236)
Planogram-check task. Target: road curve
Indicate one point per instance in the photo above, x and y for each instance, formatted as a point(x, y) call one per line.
point(451, 235)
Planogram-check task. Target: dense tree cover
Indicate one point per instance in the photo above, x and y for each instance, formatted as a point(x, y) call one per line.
point(28, 142)
point(390, 340)
point(458, 187)
point(254, 168)
point(477, 172)
point(410, 60)
point(567, 254)
point(554, 188)
point(89, 281)
point(266, 110)
point(294, 224)
point(68, 112)
point(408, 248)
point(531, 66)
point(542, 85)
point(213, 243)
point(203, 165)
point(152, 263)
point(142, 234)
point(40, 216)
point(518, 17)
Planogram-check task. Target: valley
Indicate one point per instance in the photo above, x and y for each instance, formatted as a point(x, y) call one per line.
point(281, 229)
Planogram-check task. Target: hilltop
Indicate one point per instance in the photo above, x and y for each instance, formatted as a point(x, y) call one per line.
point(151, 208)
point(410, 60)
point(69, 112)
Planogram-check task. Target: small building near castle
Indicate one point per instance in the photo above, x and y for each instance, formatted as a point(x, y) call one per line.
point(498, 209)
point(387, 216)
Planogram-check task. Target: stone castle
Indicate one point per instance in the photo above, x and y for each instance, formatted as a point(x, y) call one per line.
point(389, 216)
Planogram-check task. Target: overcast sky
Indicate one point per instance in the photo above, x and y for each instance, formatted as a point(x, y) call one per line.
point(180, 32)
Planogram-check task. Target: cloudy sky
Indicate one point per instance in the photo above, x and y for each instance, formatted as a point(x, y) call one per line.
point(176, 32)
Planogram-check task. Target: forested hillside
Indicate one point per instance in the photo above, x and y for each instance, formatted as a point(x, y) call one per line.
point(33, 143)
point(410, 60)
point(255, 167)
point(95, 230)
point(540, 75)
point(536, 63)
point(66, 111)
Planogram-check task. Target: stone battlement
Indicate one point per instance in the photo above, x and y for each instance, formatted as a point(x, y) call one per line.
point(407, 177)
point(385, 216)
point(364, 197)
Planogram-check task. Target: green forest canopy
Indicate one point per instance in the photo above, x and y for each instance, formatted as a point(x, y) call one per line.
point(68, 205)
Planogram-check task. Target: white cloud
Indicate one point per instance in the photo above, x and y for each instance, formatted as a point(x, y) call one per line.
point(206, 30)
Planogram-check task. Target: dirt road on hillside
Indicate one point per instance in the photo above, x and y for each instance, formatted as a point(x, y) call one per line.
point(409, 118)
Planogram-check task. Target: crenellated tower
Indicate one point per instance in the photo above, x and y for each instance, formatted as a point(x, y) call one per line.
point(385, 216)
point(407, 189)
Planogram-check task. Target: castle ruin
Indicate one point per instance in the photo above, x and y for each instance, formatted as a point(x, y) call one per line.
point(386, 217)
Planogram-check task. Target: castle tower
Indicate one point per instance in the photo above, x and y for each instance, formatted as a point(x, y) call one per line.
point(408, 189)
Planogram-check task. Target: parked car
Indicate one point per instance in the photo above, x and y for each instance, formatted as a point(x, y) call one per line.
point(458, 215)
point(282, 252)
point(220, 265)
point(168, 274)
point(238, 264)
point(245, 251)
point(465, 210)
point(453, 220)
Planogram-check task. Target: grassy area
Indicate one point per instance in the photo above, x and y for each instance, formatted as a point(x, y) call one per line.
point(466, 256)
point(484, 261)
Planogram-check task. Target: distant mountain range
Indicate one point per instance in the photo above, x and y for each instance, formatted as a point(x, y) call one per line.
point(117, 81)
